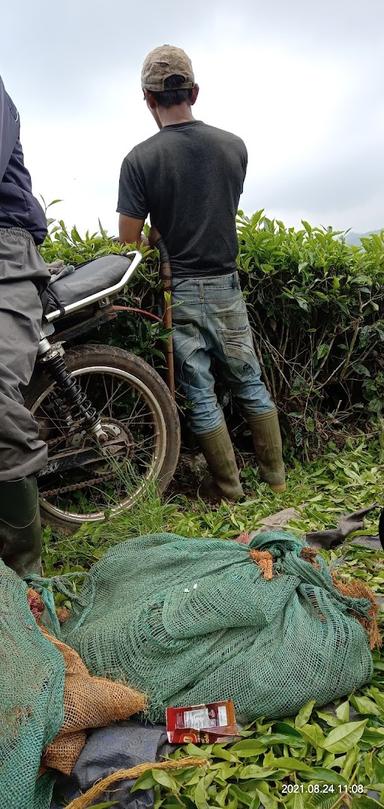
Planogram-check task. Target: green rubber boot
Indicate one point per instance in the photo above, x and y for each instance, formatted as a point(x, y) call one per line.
point(218, 451)
point(20, 527)
point(266, 437)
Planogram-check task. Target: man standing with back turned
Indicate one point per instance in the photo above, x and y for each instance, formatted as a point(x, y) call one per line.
point(189, 177)
point(22, 276)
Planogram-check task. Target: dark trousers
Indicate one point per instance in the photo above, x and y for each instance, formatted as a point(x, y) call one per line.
point(22, 272)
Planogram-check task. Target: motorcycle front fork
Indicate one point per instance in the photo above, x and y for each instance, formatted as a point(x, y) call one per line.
point(52, 357)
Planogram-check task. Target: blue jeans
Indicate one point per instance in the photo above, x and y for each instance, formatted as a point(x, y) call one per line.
point(211, 321)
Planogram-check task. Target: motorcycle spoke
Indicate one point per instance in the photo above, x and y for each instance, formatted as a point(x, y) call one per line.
point(55, 420)
point(136, 435)
point(110, 399)
point(145, 441)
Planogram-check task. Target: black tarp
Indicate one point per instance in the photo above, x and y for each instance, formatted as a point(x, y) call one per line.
point(117, 747)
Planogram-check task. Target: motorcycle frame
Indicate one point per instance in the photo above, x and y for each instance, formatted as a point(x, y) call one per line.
point(107, 311)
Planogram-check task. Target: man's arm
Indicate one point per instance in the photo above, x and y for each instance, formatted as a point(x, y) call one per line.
point(130, 230)
point(132, 203)
point(9, 129)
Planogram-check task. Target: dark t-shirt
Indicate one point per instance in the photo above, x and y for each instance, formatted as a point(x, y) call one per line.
point(189, 178)
point(18, 207)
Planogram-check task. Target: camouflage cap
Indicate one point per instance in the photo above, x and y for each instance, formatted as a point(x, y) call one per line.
point(163, 62)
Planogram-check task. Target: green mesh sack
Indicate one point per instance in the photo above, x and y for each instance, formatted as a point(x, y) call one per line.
point(190, 621)
point(31, 699)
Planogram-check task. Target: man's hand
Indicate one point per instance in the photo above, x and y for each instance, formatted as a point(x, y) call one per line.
point(130, 230)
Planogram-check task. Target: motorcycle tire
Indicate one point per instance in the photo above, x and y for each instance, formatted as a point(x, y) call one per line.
point(114, 381)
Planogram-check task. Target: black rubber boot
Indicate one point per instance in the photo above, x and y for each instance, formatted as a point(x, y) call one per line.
point(20, 527)
point(219, 454)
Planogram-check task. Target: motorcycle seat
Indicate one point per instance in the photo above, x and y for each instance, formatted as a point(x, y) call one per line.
point(75, 284)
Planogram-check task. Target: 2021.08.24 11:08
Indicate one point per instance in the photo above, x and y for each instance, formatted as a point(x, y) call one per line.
point(323, 789)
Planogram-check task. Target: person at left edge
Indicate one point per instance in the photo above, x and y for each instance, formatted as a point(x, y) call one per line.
point(23, 276)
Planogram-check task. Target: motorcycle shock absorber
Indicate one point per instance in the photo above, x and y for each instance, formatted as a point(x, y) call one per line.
point(79, 404)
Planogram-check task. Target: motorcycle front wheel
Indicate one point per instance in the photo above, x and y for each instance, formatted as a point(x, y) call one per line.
point(85, 481)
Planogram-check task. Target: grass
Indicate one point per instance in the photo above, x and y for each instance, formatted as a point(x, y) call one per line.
point(327, 758)
point(320, 491)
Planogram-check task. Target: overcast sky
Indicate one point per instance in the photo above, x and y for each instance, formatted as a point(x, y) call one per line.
point(301, 81)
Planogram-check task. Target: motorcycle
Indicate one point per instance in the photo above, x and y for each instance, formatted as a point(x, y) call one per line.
point(108, 419)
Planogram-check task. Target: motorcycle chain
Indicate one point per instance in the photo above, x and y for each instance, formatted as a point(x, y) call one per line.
point(75, 487)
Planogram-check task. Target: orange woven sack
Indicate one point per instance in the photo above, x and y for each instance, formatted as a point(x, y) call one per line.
point(89, 702)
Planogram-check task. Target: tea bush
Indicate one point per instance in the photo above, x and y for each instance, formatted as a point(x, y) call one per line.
point(316, 306)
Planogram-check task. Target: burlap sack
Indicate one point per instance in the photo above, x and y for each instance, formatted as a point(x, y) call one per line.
point(89, 702)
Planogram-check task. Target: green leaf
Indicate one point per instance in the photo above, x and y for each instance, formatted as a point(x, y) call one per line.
point(342, 711)
point(350, 761)
point(344, 737)
point(363, 280)
point(293, 740)
point(306, 226)
point(320, 774)
point(368, 764)
point(287, 729)
point(303, 304)
point(218, 751)
point(364, 705)
point(305, 713)
point(225, 770)
point(329, 718)
point(199, 795)
point(291, 764)
point(365, 802)
point(75, 235)
point(269, 758)
point(263, 792)
point(54, 202)
point(242, 797)
point(145, 781)
point(322, 801)
point(378, 770)
point(188, 777)
point(313, 734)
point(248, 748)
point(193, 750)
point(298, 801)
point(107, 804)
point(328, 760)
point(221, 796)
point(253, 771)
point(322, 350)
point(378, 697)
point(165, 779)
point(374, 737)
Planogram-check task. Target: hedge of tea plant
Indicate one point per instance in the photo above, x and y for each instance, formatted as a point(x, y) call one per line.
point(316, 306)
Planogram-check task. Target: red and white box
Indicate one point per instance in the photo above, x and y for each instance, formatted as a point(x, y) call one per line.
point(202, 724)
